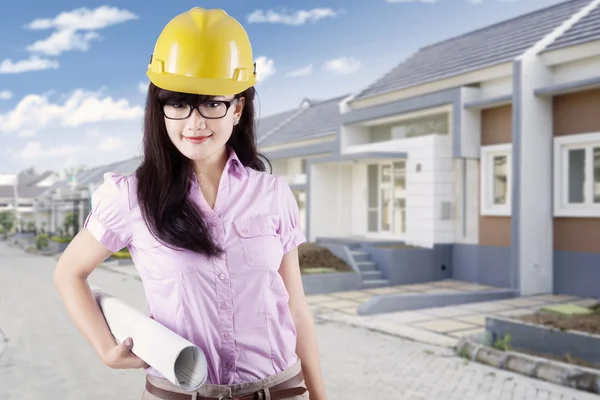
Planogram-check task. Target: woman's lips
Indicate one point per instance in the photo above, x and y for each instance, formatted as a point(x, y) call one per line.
point(197, 139)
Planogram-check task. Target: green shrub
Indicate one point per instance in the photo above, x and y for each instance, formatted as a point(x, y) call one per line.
point(61, 239)
point(121, 254)
point(41, 241)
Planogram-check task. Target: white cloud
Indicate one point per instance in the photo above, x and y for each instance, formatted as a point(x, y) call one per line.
point(67, 26)
point(265, 67)
point(143, 87)
point(343, 65)
point(35, 150)
point(33, 63)
point(62, 41)
point(301, 71)
point(111, 143)
point(35, 112)
point(296, 18)
point(5, 95)
point(84, 19)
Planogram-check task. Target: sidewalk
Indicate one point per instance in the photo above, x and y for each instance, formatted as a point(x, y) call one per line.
point(441, 326)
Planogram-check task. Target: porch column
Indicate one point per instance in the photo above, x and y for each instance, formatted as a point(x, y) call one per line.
point(531, 223)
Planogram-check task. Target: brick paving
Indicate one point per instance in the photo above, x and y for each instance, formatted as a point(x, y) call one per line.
point(441, 326)
point(47, 358)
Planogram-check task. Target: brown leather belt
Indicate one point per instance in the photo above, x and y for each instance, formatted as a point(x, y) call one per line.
point(284, 390)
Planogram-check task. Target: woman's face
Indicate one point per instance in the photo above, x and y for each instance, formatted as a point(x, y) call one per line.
point(201, 137)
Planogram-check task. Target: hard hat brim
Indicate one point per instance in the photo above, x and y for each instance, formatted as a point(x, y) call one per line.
point(202, 86)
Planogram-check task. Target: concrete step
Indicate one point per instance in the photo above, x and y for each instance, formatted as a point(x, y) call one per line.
point(366, 266)
point(371, 275)
point(375, 283)
point(360, 255)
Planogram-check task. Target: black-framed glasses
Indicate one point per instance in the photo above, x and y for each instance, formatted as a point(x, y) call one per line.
point(212, 109)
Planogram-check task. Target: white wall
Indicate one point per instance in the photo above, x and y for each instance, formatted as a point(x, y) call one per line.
point(280, 167)
point(534, 187)
point(351, 135)
point(470, 196)
point(496, 87)
point(470, 124)
point(575, 71)
point(426, 189)
point(329, 197)
point(359, 190)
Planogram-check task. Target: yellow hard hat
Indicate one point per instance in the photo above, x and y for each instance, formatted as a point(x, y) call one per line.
point(203, 51)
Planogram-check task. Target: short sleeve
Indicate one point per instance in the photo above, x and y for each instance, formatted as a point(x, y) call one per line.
point(109, 220)
point(289, 228)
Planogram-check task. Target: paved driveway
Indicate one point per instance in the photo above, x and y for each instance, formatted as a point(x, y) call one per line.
point(46, 357)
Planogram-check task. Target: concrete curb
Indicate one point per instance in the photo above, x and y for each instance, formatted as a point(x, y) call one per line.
point(387, 303)
point(571, 376)
point(544, 339)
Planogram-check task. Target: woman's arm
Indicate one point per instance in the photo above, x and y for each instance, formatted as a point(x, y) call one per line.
point(77, 262)
point(306, 344)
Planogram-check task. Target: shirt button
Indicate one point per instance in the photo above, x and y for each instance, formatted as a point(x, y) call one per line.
point(226, 335)
point(222, 276)
point(223, 306)
point(229, 365)
point(244, 230)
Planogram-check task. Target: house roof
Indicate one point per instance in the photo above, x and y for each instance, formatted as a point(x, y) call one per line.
point(585, 30)
point(492, 45)
point(95, 175)
point(33, 179)
point(265, 125)
point(6, 191)
point(24, 192)
point(316, 119)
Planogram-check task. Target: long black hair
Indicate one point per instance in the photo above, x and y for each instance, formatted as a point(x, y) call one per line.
point(164, 175)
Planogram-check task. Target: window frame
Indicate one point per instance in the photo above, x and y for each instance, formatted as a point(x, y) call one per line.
point(487, 154)
point(562, 145)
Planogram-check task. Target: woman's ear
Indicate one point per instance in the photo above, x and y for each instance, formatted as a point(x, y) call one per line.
point(239, 107)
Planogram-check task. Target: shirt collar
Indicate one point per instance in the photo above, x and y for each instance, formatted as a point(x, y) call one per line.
point(234, 164)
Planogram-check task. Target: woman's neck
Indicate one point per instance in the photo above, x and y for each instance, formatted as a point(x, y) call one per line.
point(208, 173)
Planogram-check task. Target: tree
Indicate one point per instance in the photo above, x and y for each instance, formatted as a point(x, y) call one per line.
point(70, 222)
point(7, 220)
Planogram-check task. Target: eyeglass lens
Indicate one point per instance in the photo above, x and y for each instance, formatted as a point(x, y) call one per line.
point(211, 109)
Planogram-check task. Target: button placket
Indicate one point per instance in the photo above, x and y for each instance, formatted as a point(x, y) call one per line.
point(225, 313)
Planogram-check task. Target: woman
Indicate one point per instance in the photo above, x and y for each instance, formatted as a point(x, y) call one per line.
point(213, 236)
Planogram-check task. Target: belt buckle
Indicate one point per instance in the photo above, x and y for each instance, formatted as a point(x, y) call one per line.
point(226, 397)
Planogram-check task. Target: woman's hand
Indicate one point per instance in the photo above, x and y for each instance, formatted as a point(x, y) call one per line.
point(121, 357)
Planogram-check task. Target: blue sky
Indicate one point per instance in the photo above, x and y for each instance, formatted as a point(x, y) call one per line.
point(71, 71)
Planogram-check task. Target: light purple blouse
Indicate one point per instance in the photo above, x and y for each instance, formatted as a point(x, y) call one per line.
point(234, 308)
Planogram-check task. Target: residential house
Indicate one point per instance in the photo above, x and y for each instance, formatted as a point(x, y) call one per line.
point(485, 150)
point(74, 195)
point(290, 138)
point(18, 193)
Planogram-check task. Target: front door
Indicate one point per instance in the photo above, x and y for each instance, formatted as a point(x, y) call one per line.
point(386, 203)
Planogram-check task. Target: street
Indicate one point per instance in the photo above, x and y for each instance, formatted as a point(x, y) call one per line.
point(45, 357)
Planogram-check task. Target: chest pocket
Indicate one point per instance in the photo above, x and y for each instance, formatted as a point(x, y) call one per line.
point(260, 242)
point(156, 260)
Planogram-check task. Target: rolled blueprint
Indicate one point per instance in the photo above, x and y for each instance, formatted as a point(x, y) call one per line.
point(177, 359)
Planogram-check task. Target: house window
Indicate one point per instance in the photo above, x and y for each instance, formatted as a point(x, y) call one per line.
point(577, 175)
point(496, 180)
point(423, 126)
